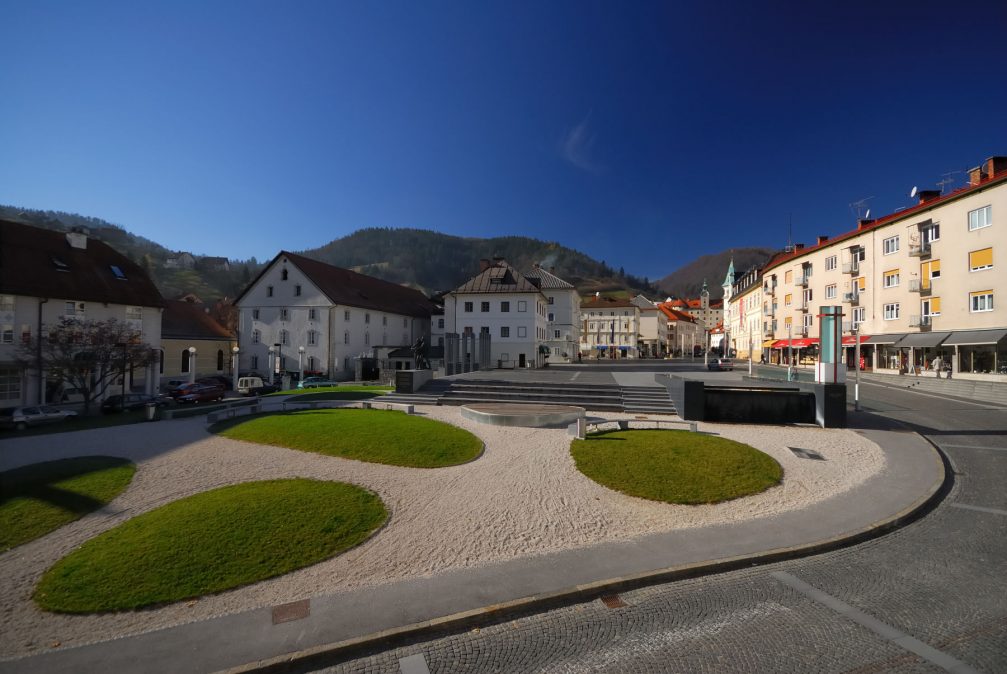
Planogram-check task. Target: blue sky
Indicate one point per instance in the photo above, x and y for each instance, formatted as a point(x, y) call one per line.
point(644, 134)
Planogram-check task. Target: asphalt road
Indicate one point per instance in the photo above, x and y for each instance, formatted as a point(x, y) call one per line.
point(931, 596)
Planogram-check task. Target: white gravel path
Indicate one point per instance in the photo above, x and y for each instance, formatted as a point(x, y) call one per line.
point(522, 497)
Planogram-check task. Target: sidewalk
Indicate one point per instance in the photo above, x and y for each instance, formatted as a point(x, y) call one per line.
point(375, 615)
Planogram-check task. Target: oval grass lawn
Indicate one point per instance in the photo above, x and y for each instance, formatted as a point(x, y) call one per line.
point(377, 436)
point(675, 466)
point(334, 394)
point(210, 542)
point(42, 497)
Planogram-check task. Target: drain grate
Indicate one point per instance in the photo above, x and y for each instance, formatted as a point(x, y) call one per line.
point(613, 601)
point(806, 454)
point(295, 610)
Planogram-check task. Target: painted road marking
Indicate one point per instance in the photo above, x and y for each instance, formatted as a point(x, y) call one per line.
point(885, 631)
point(574, 377)
point(995, 511)
point(414, 664)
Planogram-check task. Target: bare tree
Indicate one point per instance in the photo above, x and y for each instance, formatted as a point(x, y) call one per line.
point(88, 355)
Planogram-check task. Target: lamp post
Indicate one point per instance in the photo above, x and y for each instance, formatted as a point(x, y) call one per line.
point(278, 361)
point(790, 353)
point(706, 347)
point(272, 368)
point(192, 365)
point(856, 366)
point(234, 366)
point(300, 363)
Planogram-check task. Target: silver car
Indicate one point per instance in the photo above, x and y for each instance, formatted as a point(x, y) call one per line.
point(22, 417)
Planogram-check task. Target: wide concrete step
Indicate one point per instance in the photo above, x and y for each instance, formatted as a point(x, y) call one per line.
point(523, 386)
point(587, 404)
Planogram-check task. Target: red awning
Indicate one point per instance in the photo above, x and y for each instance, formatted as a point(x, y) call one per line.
point(852, 341)
point(797, 343)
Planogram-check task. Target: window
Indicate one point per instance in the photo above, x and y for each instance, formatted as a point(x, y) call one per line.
point(312, 314)
point(367, 317)
point(405, 322)
point(367, 339)
point(484, 330)
point(384, 320)
point(981, 301)
point(788, 299)
point(891, 311)
point(981, 259)
point(551, 300)
point(860, 284)
point(505, 331)
point(522, 331)
point(831, 262)
point(807, 296)
point(931, 306)
point(117, 272)
point(6, 303)
point(255, 362)
point(312, 337)
point(891, 278)
point(346, 337)
point(185, 360)
point(788, 321)
point(980, 217)
point(346, 315)
point(440, 322)
point(555, 334)
point(859, 254)
point(859, 314)
point(220, 360)
point(931, 233)
point(552, 317)
point(830, 292)
point(890, 245)
point(269, 291)
point(297, 291)
point(788, 277)
point(256, 336)
point(284, 338)
point(284, 314)
point(312, 364)
point(255, 314)
point(504, 307)
point(935, 269)
point(484, 306)
point(522, 306)
point(134, 313)
point(468, 307)
point(808, 320)
point(7, 334)
point(806, 269)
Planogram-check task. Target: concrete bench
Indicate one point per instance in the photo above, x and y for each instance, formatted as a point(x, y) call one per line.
point(375, 405)
point(581, 427)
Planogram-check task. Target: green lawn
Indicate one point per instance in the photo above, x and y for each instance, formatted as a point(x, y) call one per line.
point(333, 393)
point(675, 466)
point(81, 423)
point(210, 542)
point(42, 497)
point(378, 436)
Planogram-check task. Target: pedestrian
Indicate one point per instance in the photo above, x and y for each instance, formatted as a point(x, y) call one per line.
point(579, 357)
point(948, 369)
point(938, 365)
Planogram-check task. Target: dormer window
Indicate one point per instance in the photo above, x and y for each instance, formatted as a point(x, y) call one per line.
point(59, 264)
point(117, 272)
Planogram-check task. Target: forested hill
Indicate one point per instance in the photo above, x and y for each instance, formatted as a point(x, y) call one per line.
point(687, 281)
point(437, 262)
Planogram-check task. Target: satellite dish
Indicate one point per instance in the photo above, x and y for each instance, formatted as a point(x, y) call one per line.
point(912, 194)
point(867, 215)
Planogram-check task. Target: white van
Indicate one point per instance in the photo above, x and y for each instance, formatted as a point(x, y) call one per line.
point(252, 386)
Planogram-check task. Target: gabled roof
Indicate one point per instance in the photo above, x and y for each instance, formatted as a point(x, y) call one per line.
point(674, 314)
point(349, 288)
point(548, 280)
point(41, 263)
point(187, 320)
point(499, 277)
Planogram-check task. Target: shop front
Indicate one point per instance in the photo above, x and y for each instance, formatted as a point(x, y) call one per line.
point(918, 351)
point(850, 352)
point(979, 354)
point(887, 357)
point(803, 350)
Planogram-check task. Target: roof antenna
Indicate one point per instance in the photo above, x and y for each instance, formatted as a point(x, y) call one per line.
point(947, 179)
point(790, 234)
point(859, 207)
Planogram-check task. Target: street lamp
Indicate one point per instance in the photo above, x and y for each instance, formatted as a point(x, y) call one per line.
point(192, 365)
point(300, 363)
point(278, 362)
point(234, 366)
point(272, 368)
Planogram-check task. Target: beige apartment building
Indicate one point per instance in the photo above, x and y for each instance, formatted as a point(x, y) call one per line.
point(922, 284)
point(610, 328)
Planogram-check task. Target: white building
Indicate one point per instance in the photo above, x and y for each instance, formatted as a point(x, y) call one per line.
point(501, 301)
point(686, 333)
point(653, 337)
point(610, 328)
point(47, 275)
point(301, 314)
point(563, 315)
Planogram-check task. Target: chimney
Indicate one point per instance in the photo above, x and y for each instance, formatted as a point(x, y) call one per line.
point(976, 175)
point(866, 222)
point(77, 238)
point(995, 165)
point(927, 195)
point(798, 246)
point(822, 239)
point(484, 264)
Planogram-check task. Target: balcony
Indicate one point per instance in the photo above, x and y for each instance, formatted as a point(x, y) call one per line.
point(769, 288)
point(916, 286)
point(852, 298)
point(847, 326)
point(770, 309)
point(802, 280)
point(851, 268)
point(804, 305)
point(922, 322)
point(803, 330)
point(919, 249)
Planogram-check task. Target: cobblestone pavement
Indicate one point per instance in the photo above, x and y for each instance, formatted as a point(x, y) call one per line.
point(939, 583)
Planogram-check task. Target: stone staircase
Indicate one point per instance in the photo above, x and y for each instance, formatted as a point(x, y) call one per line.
point(600, 397)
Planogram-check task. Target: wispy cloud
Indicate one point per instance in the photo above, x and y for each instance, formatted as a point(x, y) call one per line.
point(578, 148)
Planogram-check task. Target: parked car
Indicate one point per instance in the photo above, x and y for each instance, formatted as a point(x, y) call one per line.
point(23, 417)
point(720, 364)
point(316, 382)
point(198, 393)
point(130, 402)
point(254, 386)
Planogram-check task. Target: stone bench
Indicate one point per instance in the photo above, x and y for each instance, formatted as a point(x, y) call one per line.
point(581, 427)
point(377, 405)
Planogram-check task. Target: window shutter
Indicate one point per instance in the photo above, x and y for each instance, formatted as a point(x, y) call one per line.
point(981, 258)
